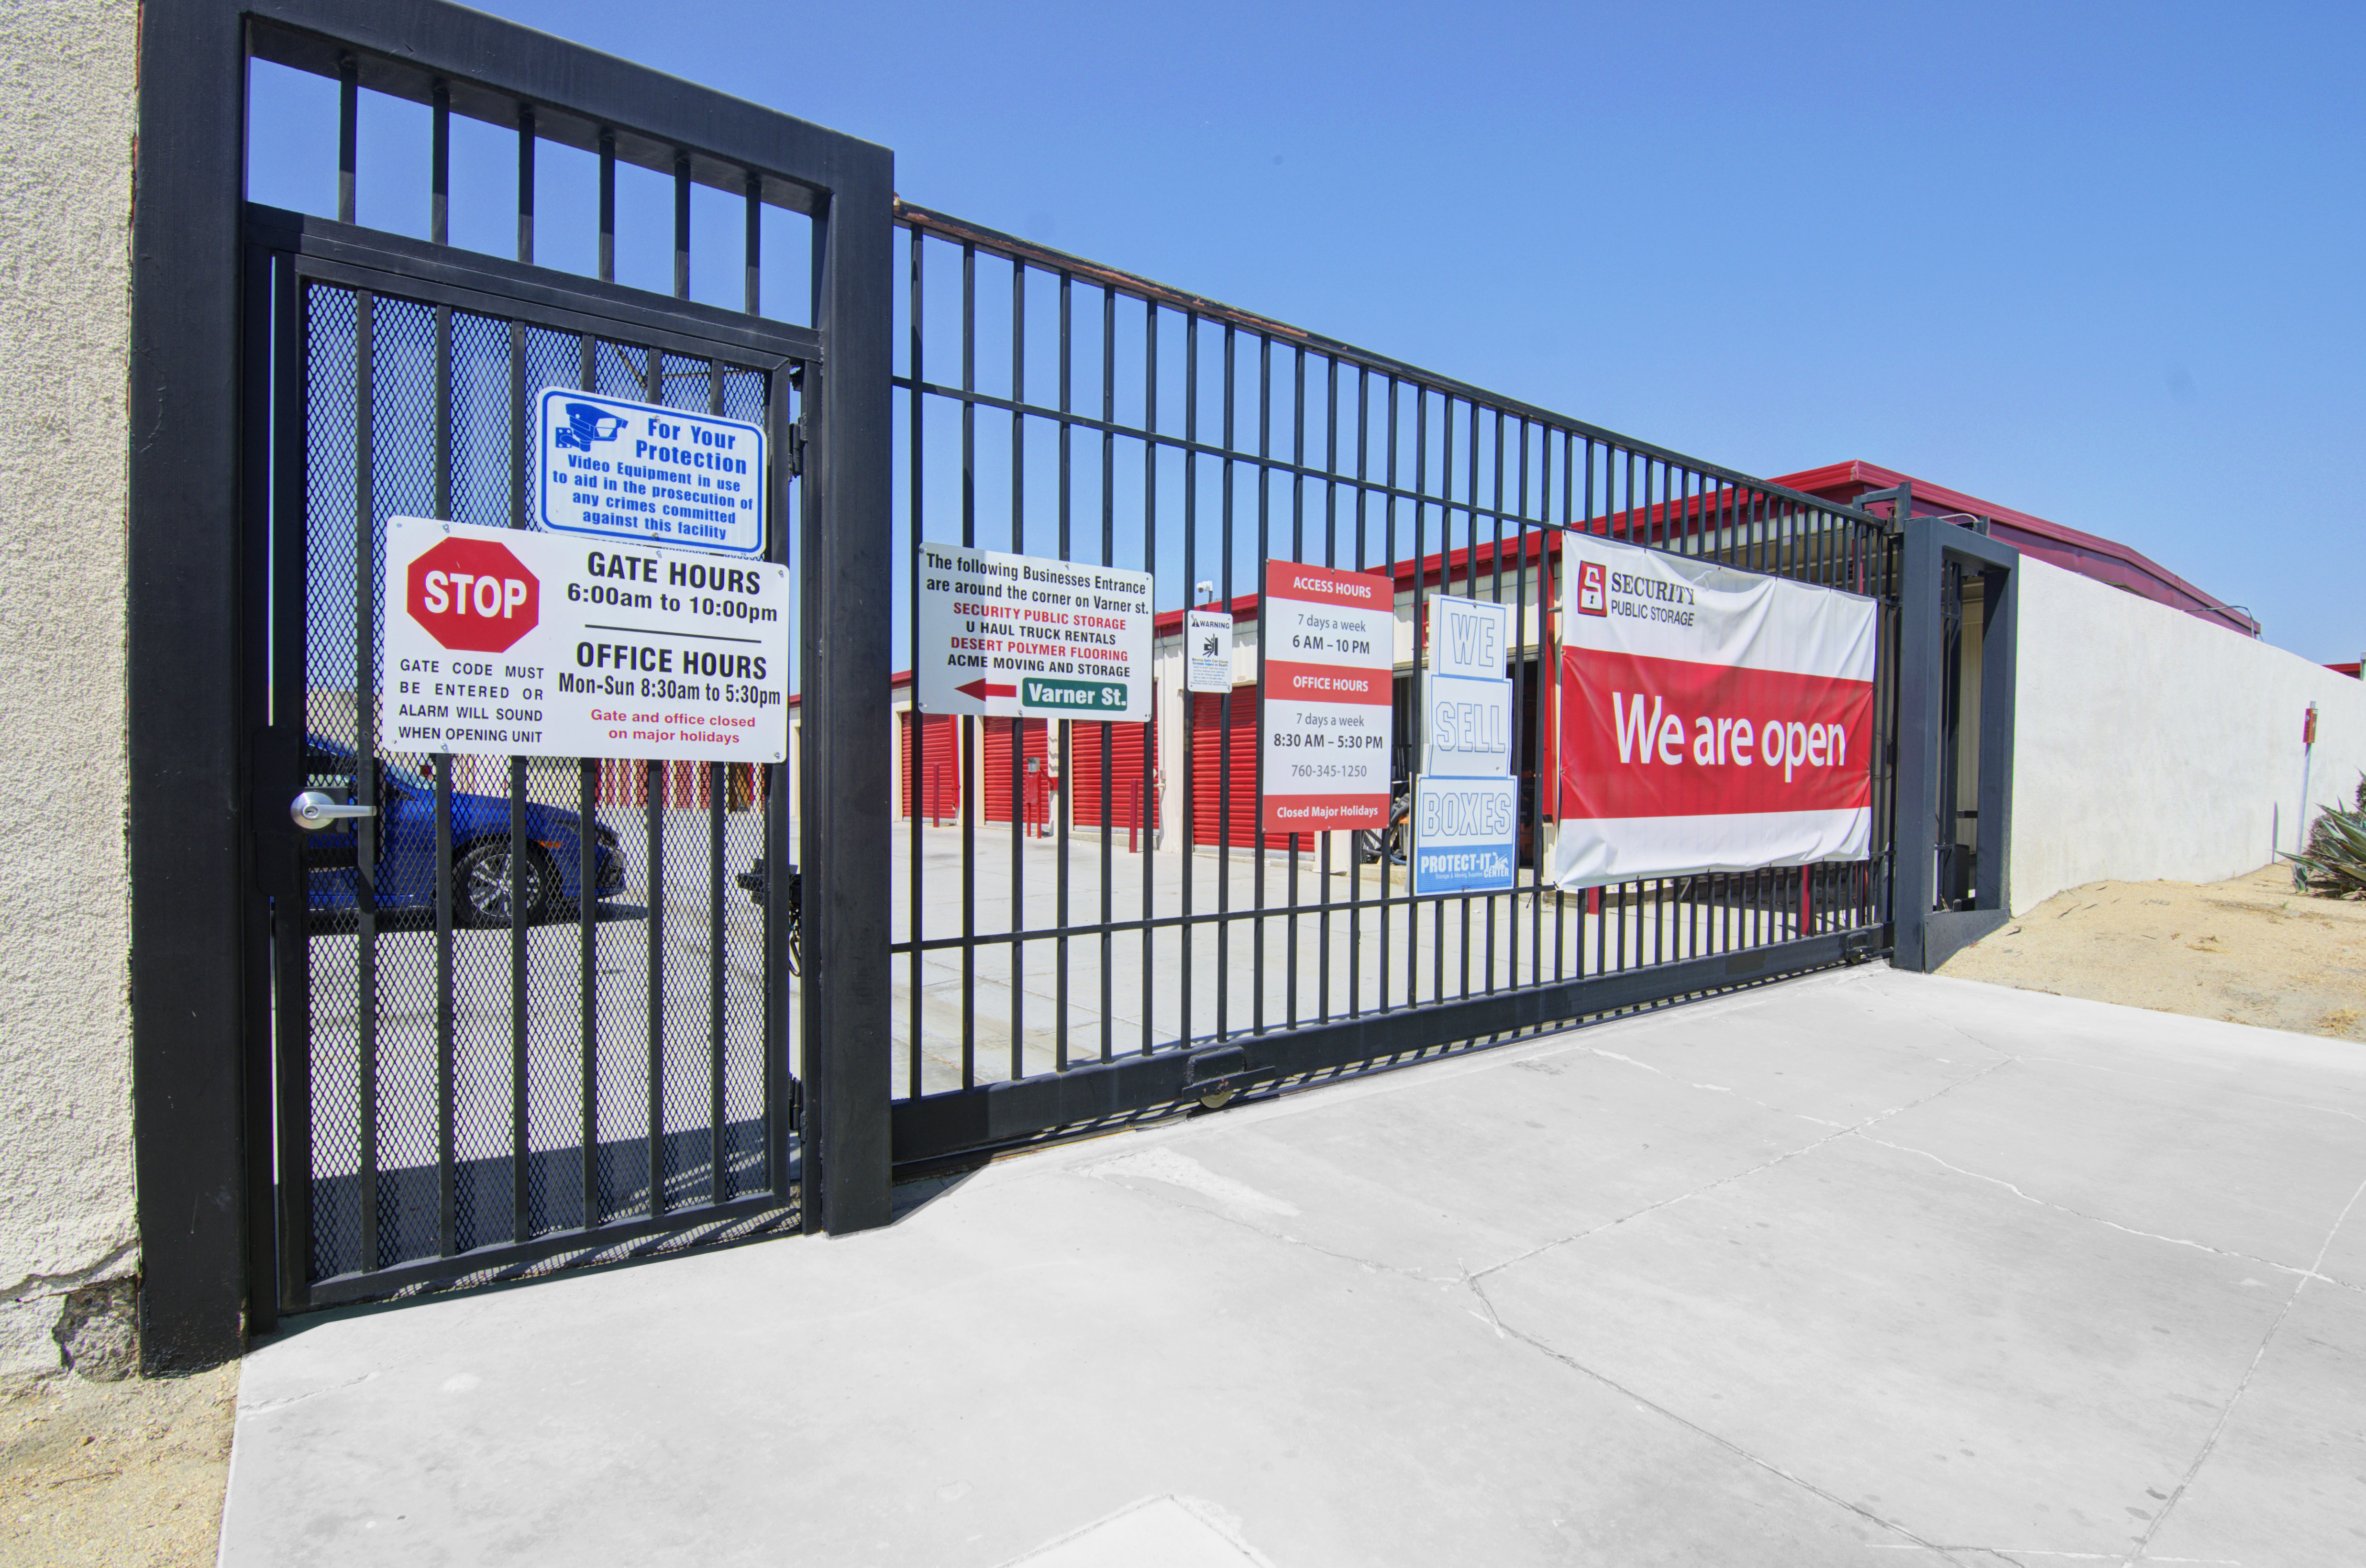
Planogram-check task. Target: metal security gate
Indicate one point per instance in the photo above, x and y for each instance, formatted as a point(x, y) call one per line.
point(524, 1011)
point(1058, 975)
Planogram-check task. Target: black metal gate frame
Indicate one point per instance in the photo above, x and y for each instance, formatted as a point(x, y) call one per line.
point(200, 810)
point(288, 250)
point(1667, 500)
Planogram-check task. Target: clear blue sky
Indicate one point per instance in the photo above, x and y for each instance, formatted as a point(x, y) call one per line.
point(2097, 263)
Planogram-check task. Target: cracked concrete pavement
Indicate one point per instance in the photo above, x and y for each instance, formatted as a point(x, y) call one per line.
point(1866, 1268)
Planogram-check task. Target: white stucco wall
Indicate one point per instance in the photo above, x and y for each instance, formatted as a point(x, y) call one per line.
point(66, 124)
point(2150, 744)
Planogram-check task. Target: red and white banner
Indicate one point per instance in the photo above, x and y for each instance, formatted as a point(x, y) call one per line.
point(1327, 719)
point(1711, 719)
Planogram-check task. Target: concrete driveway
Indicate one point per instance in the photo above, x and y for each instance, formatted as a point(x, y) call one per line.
point(1866, 1269)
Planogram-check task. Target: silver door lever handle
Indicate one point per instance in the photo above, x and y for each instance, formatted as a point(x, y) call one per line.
point(314, 809)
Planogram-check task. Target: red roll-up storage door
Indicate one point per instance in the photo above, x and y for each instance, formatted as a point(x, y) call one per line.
point(1209, 743)
point(939, 774)
point(994, 765)
point(1131, 750)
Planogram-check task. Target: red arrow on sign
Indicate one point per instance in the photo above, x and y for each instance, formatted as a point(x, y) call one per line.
point(978, 690)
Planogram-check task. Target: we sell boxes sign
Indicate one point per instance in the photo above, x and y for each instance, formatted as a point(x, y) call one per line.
point(1711, 719)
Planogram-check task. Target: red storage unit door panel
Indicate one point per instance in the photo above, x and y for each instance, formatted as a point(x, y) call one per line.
point(994, 765)
point(940, 776)
point(1130, 796)
point(1208, 744)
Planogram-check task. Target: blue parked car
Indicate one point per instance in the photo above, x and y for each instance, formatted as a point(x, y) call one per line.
point(480, 847)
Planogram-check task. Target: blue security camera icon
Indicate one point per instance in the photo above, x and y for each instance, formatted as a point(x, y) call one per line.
point(587, 423)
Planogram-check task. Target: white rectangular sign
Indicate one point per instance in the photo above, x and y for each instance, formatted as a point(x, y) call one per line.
point(1467, 725)
point(1206, 650)
point(1328, 719)
point(617, 470)
point(1469, 637)
point(1711, 720)
point(1466, 834)
point(506, 642)
point(1034, 636)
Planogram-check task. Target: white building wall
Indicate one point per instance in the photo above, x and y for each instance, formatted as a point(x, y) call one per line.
point(66, 1217)
point(2150, 744)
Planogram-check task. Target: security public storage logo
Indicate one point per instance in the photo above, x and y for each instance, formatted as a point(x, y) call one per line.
point(1592, 588)
point(473, 595)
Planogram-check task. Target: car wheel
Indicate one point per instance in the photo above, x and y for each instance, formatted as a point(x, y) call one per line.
point(480, 884)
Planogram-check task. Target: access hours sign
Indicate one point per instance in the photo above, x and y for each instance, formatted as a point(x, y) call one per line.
point(1033, 637)
point(1327, 724)
point(616, 469)
point(508, 643)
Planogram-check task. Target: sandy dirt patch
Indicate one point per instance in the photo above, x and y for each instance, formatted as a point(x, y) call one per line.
point(126, 1474)
point(2247, 951)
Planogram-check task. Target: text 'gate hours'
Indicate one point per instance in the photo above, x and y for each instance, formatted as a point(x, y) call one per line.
point(503, 642)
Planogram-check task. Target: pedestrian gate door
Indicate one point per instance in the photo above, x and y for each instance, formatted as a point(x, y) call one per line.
point(521, 1008)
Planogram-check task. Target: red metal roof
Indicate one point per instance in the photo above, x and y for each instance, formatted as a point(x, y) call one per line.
point(2089, 555)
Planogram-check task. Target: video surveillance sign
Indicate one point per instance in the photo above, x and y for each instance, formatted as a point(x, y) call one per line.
point(637, 472)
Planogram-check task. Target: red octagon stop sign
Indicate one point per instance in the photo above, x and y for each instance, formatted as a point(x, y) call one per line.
point(473, 594)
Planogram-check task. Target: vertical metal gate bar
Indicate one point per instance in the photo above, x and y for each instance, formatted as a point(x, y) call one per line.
point(1186, 933)
point(1355, 855)
point(1108, 732)
point(653, 808)
point(439, 163)
point(973, 794)
point(607, 258)
point(718, 789)
point(522, 1227)
point(916, 744)
point(1021, 811)
point(1297, 553)
point(526, 182)
point(1387, 551)
point(656, 782)
point(264, 320)
point(1413, 730)
point(1259, 876)
point(1154, 806)
point(521, 1221)
point(348, 132)
point(442, 437)
point(1329, 558)
point(1265, 552)
point(588, 779)
point(681, 229)
point(1224, 710)
point(1059, 756)
point(1518, 655)
point(289, 548)
point(447, 1219)
point(365, 839)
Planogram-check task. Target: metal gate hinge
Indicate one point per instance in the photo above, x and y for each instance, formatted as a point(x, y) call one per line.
point(793, 449)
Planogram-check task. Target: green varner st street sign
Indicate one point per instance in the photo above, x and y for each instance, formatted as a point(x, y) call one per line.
point(1073, 696)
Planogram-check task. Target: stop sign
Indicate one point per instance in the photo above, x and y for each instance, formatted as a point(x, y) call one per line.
point(473, 594)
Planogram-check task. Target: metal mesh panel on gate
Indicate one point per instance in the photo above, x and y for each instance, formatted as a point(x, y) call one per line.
point(505, 1049)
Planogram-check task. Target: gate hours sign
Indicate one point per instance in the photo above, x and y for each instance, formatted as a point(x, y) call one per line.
point(634, 471)
point(503, 642)
point(1327, 724)
point(1033, 637)
point(1711, 719)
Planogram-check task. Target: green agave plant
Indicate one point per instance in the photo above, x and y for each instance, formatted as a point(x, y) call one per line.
point(2334, 865)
